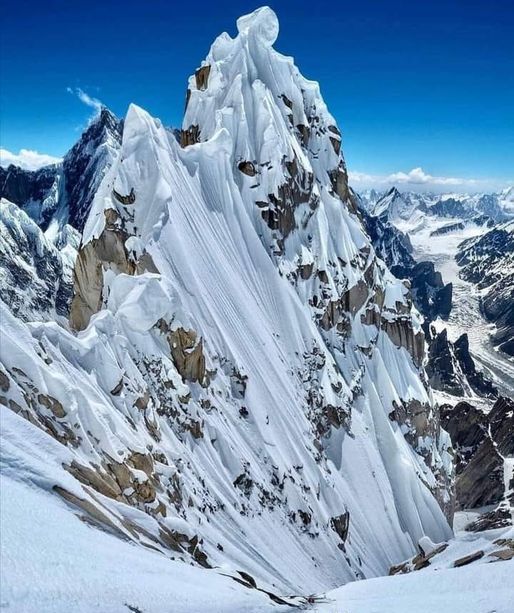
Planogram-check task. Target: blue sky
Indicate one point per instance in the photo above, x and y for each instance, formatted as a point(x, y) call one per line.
point(412, 84)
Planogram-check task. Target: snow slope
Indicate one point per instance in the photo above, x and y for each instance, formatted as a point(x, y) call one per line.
point(484, 588)
point(54, 562)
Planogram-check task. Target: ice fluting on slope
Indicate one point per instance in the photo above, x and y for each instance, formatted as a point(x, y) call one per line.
point(286, 159)
point(212, 410)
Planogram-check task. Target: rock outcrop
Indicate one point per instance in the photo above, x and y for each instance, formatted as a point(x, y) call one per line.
point(107, 252)
point(450, 368)
point(456, 553)
point(484, 445)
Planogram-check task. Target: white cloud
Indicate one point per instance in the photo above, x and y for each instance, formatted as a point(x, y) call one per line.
point(86, 99)
point(27, 159)
point(417, 176)
point(418, 179)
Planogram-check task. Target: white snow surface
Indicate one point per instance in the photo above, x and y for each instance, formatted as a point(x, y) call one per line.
point(53, 562)
point(484, 588)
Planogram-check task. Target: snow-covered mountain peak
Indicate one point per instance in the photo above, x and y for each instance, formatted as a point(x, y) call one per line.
point(57, 195)
point(395, 205)
point(508, 193)
point(240, 343)
point(104, 127)
point(262, 24)
point(268, 108)
point(86, 163)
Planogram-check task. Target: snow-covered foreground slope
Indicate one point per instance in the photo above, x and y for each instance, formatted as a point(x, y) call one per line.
point(470, 573)
point(47, 554)
point(53, 562)
point(484, 588)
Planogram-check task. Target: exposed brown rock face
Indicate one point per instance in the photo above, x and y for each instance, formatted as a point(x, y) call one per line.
point(51, 403)
point(88, 285)
point(339, 180)
point(354, 298)
point(102, 253)
point(417, 416)
point(499, 550)
point(336, 139)
point(92, 510)
point(116, 480)
point(202, 77)
point(187, 353)
point(402, 334)
point(190, 136)
point(472, 557)
point(332, 314)
point(107, 252)
point(101, 481)
point(422, 560)
point(93, 513)
point(146, 264)
point(351, 301)
point(279, 211)
point(306, 270)
point(304, 133)
point(37, 407)
point(4, 382)
point(128, 199)
point(503, 554)
point(247, 168)
point(340, 524)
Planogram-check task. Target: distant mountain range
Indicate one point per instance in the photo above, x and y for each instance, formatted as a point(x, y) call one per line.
point(396, 206)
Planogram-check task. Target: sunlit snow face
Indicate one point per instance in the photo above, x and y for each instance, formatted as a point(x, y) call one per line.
point(262, 23)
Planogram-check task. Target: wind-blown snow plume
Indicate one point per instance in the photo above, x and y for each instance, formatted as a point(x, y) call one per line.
point(86, 99)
